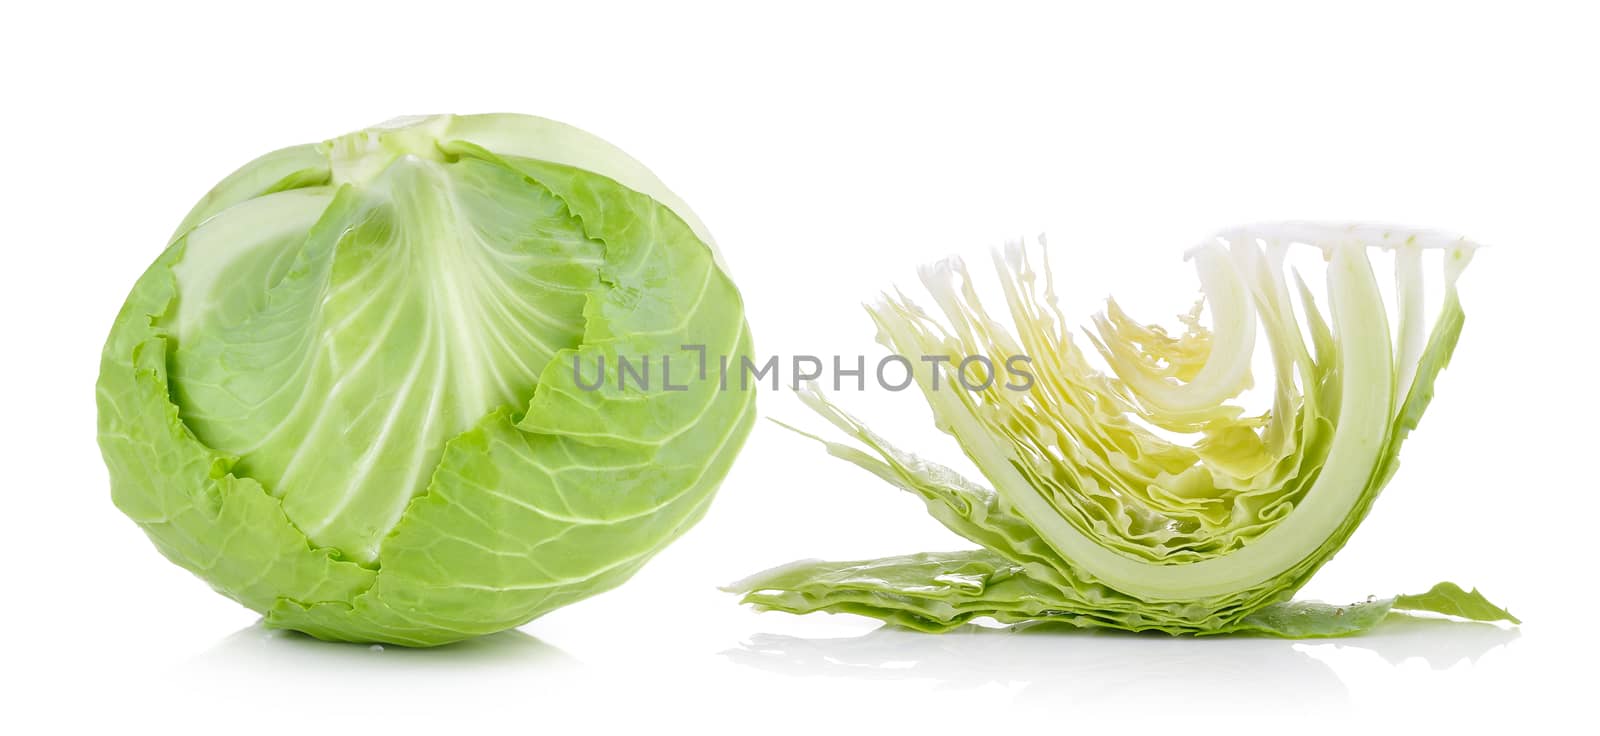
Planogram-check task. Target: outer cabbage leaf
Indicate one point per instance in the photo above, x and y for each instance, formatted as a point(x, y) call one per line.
point(1094, 518)
point(348, 394)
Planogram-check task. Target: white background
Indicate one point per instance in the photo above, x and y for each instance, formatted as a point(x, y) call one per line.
point(831, 148)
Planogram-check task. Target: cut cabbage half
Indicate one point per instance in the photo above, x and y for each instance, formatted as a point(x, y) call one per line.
point(1098, 516)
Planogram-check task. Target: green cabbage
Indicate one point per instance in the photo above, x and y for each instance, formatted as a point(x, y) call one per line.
point(1146, 498)
point(348, 393)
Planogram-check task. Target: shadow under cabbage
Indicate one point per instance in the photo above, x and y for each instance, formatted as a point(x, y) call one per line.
point(1055, 663)
point(259, 646)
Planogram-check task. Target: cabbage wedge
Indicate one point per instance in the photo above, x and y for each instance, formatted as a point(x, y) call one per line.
point(1097, 516)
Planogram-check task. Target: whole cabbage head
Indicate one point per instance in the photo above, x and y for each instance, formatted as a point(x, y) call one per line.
point(365, 389)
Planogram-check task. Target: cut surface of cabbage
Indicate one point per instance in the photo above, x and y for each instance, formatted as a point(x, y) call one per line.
point(1139, 493)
